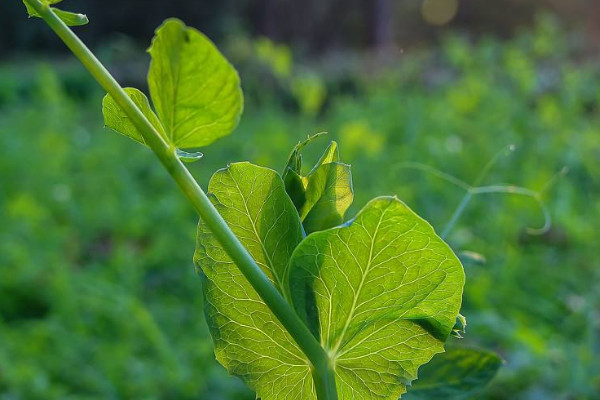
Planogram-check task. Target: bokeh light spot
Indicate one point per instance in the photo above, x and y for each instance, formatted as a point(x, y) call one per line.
point(439, 12)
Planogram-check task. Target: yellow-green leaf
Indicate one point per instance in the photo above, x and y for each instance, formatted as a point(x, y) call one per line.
point(194, 89)
point(328, 194)
point(116, 119)
point(323, 196)
point(249, 340)
point(382, 294)
point(69, 18)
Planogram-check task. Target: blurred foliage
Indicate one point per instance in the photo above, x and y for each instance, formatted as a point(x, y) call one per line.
point(98, 298)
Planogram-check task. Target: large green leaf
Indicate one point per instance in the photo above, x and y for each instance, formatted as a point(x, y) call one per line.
point(115, 118)
point(69, 18)
point(381, 293)
point(249, 341)
point(456, 374)
point(194, 89)
point(323, 196)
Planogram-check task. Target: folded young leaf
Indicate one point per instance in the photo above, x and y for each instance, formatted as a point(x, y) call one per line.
point(330, 155)
point(295, 183)
point(457, 374)
point(69, 18)
point(115, 118)
point(381, 293)
point(294, 162)
point(328, 195)
point(194, 89)
point(249, 341)
point(295, 186)
point(325, 194)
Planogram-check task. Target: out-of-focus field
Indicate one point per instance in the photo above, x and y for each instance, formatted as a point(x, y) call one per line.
point(98, 294)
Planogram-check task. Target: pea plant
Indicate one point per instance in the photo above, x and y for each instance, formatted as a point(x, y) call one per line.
point(301, 302)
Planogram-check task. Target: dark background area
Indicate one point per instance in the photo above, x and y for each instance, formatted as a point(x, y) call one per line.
point(312, 26)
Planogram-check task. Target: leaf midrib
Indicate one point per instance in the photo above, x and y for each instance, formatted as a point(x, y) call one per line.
point(359, 290)
point(175, 95)
point(258, 238)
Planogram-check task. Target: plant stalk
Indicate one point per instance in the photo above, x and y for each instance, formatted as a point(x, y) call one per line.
point(322, 371)
point(457, 213)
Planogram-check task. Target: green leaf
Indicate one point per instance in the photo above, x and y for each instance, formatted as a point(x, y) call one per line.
point(115, 118)
point(69, 18)
point(331, 154)
point(295, 186)
point(325, 194)
point(31, 11)
point(382, 293)
point(329, 194)
point(194, 89)
point(294, 162)
point(249, 341)
point(456, 374)
point(460, 327)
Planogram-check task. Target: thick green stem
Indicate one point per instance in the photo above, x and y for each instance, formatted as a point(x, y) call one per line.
point(322, 372)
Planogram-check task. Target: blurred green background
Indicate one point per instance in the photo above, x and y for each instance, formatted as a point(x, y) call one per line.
point(98, 294)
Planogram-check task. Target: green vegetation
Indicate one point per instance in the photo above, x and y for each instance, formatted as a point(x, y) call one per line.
point(118, 293)
point(381, 292)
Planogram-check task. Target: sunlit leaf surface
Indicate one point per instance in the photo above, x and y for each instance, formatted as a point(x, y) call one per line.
point(249, 341)
point(195, 91)
point(382, 294)
point(323, 196)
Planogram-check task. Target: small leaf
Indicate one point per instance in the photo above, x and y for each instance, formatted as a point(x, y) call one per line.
point(460, 327)
point(294, 162)
point(249, 341)
point(331, 155)
point(115, 118)
point(325, 194)
point(386, 290)
point(329, 194)
point(194, 89)
point(31, 11)
point(456, 374)
point(69, 18)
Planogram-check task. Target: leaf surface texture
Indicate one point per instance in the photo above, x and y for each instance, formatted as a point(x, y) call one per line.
point(382, 294)
point(249, 341)
point(195, 91)
point(115, 118)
